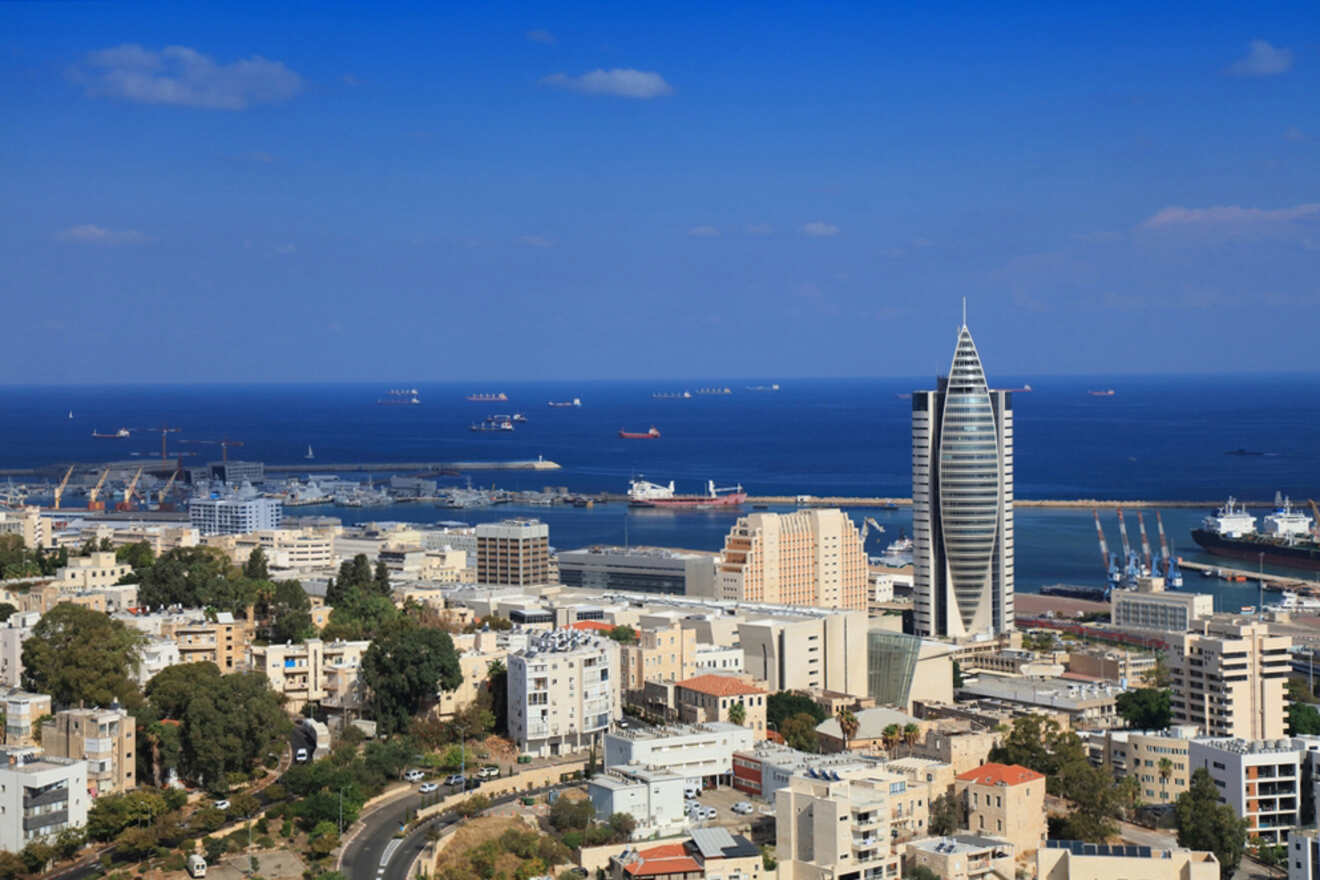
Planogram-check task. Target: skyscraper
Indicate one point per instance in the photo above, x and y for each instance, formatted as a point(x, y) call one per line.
point(962, 501)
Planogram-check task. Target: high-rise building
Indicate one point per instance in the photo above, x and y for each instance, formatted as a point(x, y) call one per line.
point(514, 552)
point(101, 737)
point(563, 692)
point(40, 796)
point(962, 501)
point(234, 514)
point(1231, 680)
point(809, 557)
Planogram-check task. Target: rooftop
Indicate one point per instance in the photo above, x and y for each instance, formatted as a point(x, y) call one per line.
point(1000, 774)
point(961, 844)
point(871, 723)
point(720, 686)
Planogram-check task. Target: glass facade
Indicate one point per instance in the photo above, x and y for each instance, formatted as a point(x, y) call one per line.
point(891, 660)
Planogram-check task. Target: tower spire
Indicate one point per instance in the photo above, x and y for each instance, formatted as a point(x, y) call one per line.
point(964, 323)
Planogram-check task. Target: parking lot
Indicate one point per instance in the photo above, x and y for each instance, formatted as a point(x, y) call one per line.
point(723, 800)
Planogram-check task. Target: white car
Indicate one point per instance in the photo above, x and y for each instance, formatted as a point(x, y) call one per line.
point(708, 813)
point(221, 805)
point(490, 771)
point(456, 779)
point(414, 776)
point(742, 807)
point(300, 756)
point(428, 787)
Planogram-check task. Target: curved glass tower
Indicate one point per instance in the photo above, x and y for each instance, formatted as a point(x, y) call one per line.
point(962, 483)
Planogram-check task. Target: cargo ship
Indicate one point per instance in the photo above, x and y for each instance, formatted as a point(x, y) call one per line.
point(487, 398)
point(492, 424)
point(774, 387)
point(117, 435)
point(577, 401)
point(715, 390)
point(642, 493)
point(1286, 537)
point(670, 395)
point(400, 397)
point(1108, 392)
point(651, 434)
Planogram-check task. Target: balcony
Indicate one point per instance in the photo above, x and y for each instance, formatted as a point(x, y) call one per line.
point(54, 817)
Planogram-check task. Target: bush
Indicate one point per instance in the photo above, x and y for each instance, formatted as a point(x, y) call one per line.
point(265, 843)
point(175, 862)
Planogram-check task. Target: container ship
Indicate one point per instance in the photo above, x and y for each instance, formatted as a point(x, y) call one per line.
point(642, 493)
point(1287, 537)
point(577, 401)
point(651, 434)
point(487, 398)
point(400, 397)
point(670, 395)
point(1107, 392)
point(720, 389)
point(115, 435)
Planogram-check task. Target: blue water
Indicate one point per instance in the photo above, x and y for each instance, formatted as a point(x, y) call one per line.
point(1155, 438)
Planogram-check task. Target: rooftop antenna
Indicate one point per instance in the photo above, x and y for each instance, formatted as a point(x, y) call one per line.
point(964, 323)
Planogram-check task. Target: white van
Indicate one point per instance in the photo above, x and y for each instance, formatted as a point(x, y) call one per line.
point(196, 866)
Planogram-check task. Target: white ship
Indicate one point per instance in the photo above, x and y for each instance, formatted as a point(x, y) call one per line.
point(644, 490)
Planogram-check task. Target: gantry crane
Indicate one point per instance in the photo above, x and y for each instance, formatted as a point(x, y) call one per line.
point(169, 484)
point(1145, 543)
point(92, 502)
point(59, 490)
point(127, 503)
point(868, 524)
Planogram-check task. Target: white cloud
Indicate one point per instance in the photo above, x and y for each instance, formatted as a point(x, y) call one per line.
point(1223, 215)
point(90, 233)
point(184, 77)
point(536, 241)
point(703, 232)
point(819, 229)
point(760, 229)
point(1262, 59)
point(541, 36)
point(619, 82)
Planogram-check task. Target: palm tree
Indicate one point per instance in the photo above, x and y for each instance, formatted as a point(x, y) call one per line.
point(1166, 770)
point(737, 713)
point(911, 733)
point(848, 724)
point(891, 736)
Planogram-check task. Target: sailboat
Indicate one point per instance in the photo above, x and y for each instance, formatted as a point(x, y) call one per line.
point(71, 414)
point(310, 455)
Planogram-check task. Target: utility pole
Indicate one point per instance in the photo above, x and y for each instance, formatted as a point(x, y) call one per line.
point(341, 811)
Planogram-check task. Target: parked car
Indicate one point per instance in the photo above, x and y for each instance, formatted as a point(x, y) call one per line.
point(490, 771)
point(708, 813)
point(221, 805)
point(414, 776)
point(742, 807)
point(691, 791)
point(472, 783)
point(300, 756)
point(456, 779)
point(428, 787)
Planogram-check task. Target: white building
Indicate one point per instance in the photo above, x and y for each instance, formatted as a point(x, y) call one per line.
point(654, 797)
point(39, 797)
point(1170, 612)
point(719, 659)
point(1261, 780)
point(1304, 854)
point(699, 753)
point(563, 691)
point(155, 654)
point(13, 633)
point(234, 514)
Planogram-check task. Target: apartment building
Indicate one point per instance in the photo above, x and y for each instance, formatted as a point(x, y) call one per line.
point(1157, 758)
point(1071, 859)
point(1230, 680)
point(101, 737)
point(40, 796)
point(155, 654)
point(28, 524)
point(717, 659)
point(832, 826)
point(22, 711)
point(100, 569)
point(563, 692)
point(1125, 667)
point(293, 549)
point(962, 749)
point(1260, 779)
point(515, 551)
point(1304, 854)
point(768, 766)
point(962, 857)
point(809, 557)
point(652, 796)
point(314, 671)
point(709, 854)
point(713, 698)
point(234, 514)
point(221, 638)
point(474, 666)
point(662, 653)
point(1168, 612)
point(1086, 704)
point(158, 538)
point(13, 633)
point(1005, 800)
point(700, 753)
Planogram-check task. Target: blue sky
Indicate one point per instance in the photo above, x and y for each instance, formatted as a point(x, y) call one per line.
point(579, 190)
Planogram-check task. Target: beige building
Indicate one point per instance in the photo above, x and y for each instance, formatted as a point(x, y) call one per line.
point(29, 525)
point(223, 641)
point(1005, 800)
point(326, 673)
point(1072, 860)
point(809, 557)
point(870, 734)
point(1112, 665)
point(1230, 680)
point(1144, 754)
point(962, 749)
point(303, 548)
point(159, 538)
point(563, 692)
point(515, 551)
point(713, 697)
point(826, 651)
point(1170, 612)
point(98, 570)
point(474, 664)
point(101, 737)
point(962, 857)
point(22, 712)
point(667, 652)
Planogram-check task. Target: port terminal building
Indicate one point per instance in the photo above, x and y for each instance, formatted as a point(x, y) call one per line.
point(639, 569)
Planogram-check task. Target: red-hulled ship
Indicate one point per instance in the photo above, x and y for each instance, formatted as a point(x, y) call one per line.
point(645, 494)
point(652, 434)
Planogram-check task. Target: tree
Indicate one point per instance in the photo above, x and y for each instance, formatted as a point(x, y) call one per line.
point(196, 577)
point(891, 736)
point(381, 579)
point(255, 568)
point(911, 734)
point(36, 856)
point(1145, 708)
point(289, 615)
point(138, 556)
point(624, 635)
point(848, 725)
point(1206, 824)
point(957, 675)
point(77, 655)
point(785, 704)
point(623, 825)
point(737, 714)
point(6, 610)
point(112, 813)
point(497, 683)
point(920, 872)
point(1303, 719)
point(799, 732)
point(566, 813)
point(947, 814)
point(1095, 801)
point(1158, 676)
point(405, 666)
point(1165, 770)
point(1025, 744)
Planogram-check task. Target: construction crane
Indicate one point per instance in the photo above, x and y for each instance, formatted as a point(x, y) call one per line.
point(59, 490)
point(169, 484)
point(164, 429)
point(92, 502)
point(1145, 542)
point(226, 443)
point(868, 524)
point(127, 503)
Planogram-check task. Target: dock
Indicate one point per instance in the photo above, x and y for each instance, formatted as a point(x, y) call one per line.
point(1274, 583)
point(319, 467)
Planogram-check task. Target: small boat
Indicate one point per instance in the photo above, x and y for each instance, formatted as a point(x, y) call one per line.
point(117, 435)
point(485, 398)
point(1108, 392)
point(670, 395)
point(717, 389)
point(774, 387)
point(70, 414)
point(652, 434)
point(492, 425)
point(310, 455)
point(400, 397)
point(577, 401)
point(1019, 390)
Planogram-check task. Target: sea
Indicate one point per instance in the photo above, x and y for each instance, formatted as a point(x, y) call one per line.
point(1154, 438)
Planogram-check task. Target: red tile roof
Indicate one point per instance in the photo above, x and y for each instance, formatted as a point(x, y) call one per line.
point(591, 624)
point(667, 858)
point(1000, 774)
point(720, 686)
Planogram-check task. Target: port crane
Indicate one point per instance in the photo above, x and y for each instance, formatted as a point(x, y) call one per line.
point(1145, 542)
point(868, 524)
point(169, 484)
point(1173, 578)
point(1113, 576)
point(127, 503)
point(92, 496)
point(59, 490)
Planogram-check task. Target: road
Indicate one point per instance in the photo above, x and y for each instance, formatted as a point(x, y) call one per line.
point(1136, 834)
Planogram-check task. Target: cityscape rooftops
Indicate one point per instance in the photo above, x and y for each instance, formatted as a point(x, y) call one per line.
point(871, 723)
point(720, 686)
point(1000, 774)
